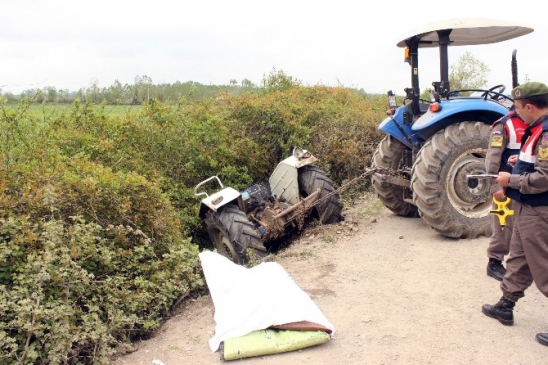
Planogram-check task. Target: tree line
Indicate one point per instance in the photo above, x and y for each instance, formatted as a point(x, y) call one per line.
point(142, 91)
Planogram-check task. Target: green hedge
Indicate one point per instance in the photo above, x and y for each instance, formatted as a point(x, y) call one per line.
point(338, 125)
point(89, 258)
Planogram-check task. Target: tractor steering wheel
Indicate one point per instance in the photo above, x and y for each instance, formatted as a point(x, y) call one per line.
point(492, 93)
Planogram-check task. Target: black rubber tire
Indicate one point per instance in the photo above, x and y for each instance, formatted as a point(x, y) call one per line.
point(329, 210)
point(392, 154)
point(449, 202)
point(233, 234)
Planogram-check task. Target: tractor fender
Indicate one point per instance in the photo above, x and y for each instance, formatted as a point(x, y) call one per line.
point(457, 110)
point(284, 181)
point(219, 199)
point(394, 126)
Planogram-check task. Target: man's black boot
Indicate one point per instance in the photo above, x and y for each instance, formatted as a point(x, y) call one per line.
point(495, 269)
point(502, 311)
point(542, 338)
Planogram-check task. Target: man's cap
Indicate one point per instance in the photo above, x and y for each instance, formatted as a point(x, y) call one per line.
point(528, 90)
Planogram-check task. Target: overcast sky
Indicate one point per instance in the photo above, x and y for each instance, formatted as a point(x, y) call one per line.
point(352, 43)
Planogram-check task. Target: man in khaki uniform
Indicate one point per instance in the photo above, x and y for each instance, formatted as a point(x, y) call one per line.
point(527, 186)
point(504, 145)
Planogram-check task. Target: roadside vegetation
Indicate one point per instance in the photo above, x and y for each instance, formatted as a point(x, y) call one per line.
point(99, 231)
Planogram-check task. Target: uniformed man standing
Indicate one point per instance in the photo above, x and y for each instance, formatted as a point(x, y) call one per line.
point(503, 148)
point(527, 186)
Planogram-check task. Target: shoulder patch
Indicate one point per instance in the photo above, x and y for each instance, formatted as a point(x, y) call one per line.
point(544, 140)
point(542, 153)
point(496, 140)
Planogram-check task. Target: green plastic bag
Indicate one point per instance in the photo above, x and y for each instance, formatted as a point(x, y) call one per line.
point(270, 341)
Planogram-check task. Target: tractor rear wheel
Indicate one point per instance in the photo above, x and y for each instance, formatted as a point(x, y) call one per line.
point(447, 200)
point(394, 155)
point(233, 234)
point(329, 209)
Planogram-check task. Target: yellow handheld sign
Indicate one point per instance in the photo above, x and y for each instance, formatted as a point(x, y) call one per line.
point(502, 210)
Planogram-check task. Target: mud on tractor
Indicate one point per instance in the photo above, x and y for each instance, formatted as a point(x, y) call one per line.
point(434, 144)
point(241, 223)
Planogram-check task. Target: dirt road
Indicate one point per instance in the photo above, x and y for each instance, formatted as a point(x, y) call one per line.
point(396, 292)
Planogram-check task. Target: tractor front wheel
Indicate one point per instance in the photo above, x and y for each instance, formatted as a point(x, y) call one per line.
point(394, 155)
point(233, 234)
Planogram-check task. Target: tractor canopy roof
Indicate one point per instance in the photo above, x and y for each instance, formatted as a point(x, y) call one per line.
point(465, 32)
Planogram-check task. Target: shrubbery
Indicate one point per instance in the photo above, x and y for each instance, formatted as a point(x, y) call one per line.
point(336, 124)
point(88, 258)
point(96, 213)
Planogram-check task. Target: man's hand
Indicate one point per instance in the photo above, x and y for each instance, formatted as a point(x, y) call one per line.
point(512, 160)
point(499, 195)
point(503, 178)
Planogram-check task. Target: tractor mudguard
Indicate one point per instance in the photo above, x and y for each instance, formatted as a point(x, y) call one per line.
point(218, 199)
point(456, 110)
point(221, 198)
point(395, 127)
point(284, 182)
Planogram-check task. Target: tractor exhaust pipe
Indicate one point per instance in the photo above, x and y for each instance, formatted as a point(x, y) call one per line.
point(515, 82)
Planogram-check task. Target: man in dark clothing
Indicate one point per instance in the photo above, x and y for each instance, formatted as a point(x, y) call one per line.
point(504, 145)
point(527, 186)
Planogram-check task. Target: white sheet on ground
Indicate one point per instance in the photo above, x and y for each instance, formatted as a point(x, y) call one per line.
point(253, 299)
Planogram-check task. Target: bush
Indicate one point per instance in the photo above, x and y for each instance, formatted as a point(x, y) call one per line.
point(89, 258)
point(338, 125)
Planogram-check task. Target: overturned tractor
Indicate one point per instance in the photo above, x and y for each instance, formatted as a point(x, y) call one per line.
point(237, 222)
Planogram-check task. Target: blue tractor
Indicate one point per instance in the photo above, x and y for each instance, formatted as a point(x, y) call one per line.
point(432, 145)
